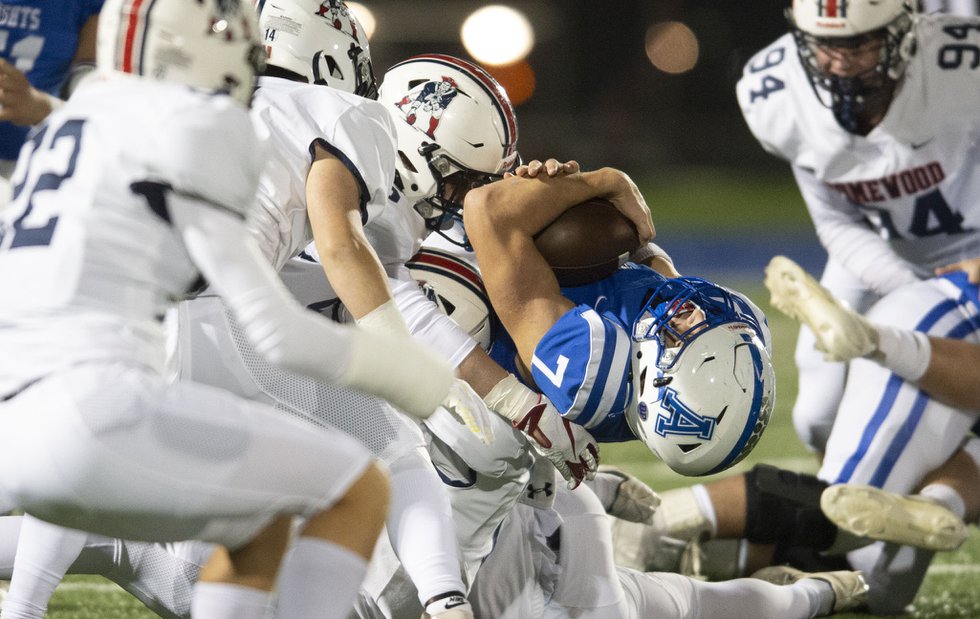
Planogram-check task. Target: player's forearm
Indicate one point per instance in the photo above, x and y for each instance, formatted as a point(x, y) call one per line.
point(528, 205)
point(355, 273)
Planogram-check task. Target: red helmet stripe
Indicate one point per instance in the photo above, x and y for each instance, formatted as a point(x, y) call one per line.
point(434, 260)
point(132, 26)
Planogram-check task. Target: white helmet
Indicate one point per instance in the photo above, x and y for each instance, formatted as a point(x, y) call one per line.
point(704, 395)
point(207, 44)
point(457, 288)
point(451, 118)
point(850, 23)
point(321, 41)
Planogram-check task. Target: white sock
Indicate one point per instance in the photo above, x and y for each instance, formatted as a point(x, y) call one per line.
point(819, 593)
point(421, 527)
point(220, 600)
point(707, 508)
point(319, 579)
point(685, 513)
point(907, 353)
point(44, 554)
point(946, 496)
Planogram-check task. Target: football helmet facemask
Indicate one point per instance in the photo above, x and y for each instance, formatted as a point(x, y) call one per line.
point(703, 380)
point(322, 41)
point(210, 44)
point(849, 26)
point(456, 130)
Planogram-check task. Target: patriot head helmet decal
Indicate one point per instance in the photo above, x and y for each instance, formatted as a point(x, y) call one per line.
point(429, 99)
point(337, 13)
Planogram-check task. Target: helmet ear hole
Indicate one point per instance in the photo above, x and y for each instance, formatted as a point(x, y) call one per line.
point(407, 162)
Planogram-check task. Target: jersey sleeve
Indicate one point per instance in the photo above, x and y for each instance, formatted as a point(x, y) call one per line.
point(849, 239)
point(362, 138)
point(582, 365)
point(208, 149)
point(765, 97)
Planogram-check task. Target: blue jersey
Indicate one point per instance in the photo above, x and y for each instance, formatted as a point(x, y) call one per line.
point(583, 363)
point(39, 37)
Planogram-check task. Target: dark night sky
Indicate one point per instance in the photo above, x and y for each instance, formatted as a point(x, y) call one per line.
point(598, 98)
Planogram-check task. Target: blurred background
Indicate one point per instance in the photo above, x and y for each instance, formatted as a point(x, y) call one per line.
point(648, 87)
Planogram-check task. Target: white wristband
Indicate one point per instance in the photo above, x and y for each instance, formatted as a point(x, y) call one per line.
point(511, 399)
point(650, 250)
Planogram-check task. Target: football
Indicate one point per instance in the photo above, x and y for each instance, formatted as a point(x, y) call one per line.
point(587, 242)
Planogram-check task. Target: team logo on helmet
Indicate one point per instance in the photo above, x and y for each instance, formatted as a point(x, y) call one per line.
point(428, 99)
point(832, 8)
point(336, 12)
point(681, 420)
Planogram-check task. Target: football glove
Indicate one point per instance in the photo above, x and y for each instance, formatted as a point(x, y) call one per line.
point(625, 496)
point(469, 409)
point(567, 445)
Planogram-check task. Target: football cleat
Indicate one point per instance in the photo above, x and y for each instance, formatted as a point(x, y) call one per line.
point(877, 514)
point(850, 589)
point(842, 334)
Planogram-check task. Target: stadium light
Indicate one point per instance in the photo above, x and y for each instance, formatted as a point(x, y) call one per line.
point(672, 47)
point(497, 35)
point(365, 16)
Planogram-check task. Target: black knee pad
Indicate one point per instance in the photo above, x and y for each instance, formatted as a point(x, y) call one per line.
point(784, 509)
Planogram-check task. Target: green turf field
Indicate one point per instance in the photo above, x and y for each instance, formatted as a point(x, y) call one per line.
point(679, 198)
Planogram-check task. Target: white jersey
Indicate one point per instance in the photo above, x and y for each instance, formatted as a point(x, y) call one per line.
point(915, 178)
point(88, 233)
point(293, 117)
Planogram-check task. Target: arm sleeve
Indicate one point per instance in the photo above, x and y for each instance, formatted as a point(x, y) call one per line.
point(582, 365)
point(284, 333)
point(847, 238)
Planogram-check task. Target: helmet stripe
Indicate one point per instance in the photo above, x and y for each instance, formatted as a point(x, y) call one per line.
point(133, 38)
point(447, 264)
point(489, 85)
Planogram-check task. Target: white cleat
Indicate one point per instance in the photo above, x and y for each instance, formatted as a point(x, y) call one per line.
point(841, 333)
point(877, 514)
point(850, 589)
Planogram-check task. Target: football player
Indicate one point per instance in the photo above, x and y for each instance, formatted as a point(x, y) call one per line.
point(874, 107)
point(94, 437)
point(330, 172)
point(48, 46)
point(912, 442)
point(332, 180)
point(679, 363)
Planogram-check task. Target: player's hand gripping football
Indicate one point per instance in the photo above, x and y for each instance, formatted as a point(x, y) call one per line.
point(464, 404)
point(551, 167)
